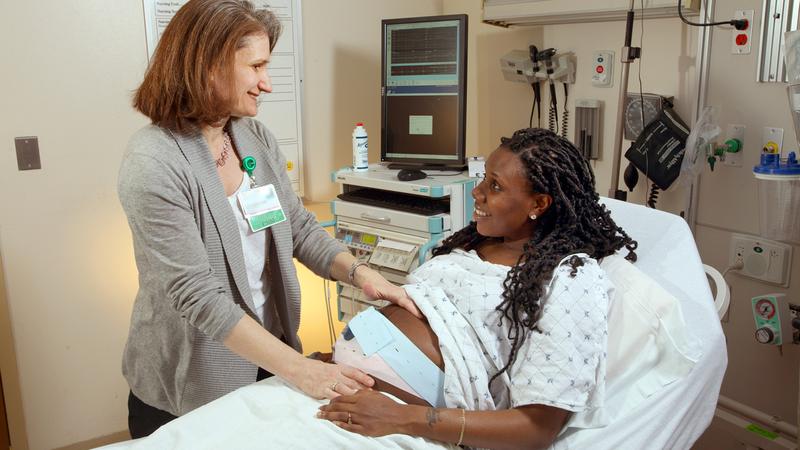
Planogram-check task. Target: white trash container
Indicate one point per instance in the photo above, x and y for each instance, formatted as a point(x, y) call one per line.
point(779, 197)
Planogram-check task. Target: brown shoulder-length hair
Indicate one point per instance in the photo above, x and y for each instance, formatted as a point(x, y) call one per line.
point(199, 43)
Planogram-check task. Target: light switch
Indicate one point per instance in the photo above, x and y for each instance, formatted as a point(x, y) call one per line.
point(28, 153)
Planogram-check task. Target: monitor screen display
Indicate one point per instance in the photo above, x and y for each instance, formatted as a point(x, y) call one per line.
point(423, 95)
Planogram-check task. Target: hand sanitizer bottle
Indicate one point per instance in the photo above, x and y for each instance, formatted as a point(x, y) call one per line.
point(360, 149)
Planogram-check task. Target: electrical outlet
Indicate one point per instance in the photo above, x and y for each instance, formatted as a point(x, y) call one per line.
point(738, 255)
point(762, 259)
point(740, 39)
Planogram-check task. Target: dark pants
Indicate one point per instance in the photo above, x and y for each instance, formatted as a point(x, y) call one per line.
point(144, 419)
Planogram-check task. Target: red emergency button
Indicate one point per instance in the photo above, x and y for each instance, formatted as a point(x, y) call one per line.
point(599, 69)
point(741, 39)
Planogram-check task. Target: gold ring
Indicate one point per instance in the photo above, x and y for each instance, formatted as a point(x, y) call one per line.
point(349, 419)
point(333, 386)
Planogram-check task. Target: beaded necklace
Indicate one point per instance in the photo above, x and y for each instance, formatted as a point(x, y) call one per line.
point(226, 149)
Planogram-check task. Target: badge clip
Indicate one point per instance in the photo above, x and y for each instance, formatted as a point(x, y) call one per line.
point(249, 164)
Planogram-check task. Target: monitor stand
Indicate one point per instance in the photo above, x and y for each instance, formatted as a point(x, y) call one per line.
point(426, 167)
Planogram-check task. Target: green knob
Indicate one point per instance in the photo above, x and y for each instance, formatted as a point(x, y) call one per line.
point(248, 164)
point(711, 161)
point(733, 145)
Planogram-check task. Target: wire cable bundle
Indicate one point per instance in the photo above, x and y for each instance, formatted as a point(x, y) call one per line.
point(565, 114)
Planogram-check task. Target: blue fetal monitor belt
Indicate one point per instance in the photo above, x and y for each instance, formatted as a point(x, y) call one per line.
point(376, 334)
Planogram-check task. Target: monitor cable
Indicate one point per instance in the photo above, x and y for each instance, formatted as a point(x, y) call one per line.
point(552, 118)
point(565, 114)
point(652, 198)
point(739, 24)
point(547, 57)
point(537, 89)
point(331, 331)
point(533, 105)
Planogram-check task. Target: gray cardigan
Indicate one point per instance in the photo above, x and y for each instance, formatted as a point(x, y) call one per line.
point(193, 284)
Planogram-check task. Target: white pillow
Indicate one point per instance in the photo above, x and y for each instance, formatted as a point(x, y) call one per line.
point(648, 345)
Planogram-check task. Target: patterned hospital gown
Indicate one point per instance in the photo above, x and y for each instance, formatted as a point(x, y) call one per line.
point(562, 366)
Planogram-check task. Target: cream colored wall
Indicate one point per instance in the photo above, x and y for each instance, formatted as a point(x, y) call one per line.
point(10, 374)
point(342, 79)
point(666, 68)
point(758, 375)
point(68, 266)
point(314, 331)
point(69, 69)
point(342, 51)
point(497, 107)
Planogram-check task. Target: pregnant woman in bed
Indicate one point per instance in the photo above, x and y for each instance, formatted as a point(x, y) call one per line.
point(512, 348)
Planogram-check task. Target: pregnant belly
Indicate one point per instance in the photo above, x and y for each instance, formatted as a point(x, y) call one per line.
point(418, 332)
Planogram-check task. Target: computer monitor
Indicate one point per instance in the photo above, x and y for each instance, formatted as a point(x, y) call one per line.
point(423, 92)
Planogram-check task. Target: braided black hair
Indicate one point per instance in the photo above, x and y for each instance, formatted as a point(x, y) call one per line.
point(575, 222)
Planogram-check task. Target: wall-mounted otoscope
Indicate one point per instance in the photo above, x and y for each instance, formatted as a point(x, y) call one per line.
point(526, 66)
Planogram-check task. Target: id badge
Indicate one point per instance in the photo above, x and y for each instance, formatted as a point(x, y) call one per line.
point(261, 207)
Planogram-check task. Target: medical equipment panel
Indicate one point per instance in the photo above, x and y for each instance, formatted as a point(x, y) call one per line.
point(392, 225)
point(381, 217)
point(456, 189)
point(391, 253)
point(603, 70)
point(762, 259)
point(423, 91)
point(416, 204)
point(772, 318)
point(588, 127)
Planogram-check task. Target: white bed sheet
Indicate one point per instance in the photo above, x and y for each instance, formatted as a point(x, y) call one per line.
point(676, 416)
point(271, 414)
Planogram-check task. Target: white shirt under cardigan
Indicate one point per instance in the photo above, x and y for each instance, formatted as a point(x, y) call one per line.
point(563, 365)
point(254, 249)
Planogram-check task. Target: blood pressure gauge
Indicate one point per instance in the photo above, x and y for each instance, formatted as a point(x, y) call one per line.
point(637, 104)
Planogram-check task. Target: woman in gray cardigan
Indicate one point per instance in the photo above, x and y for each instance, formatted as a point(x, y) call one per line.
point(218, 305)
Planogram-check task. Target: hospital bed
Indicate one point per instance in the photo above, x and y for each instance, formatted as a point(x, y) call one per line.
point(271, 414)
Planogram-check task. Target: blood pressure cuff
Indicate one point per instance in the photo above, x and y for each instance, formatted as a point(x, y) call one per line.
point(659, 149)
